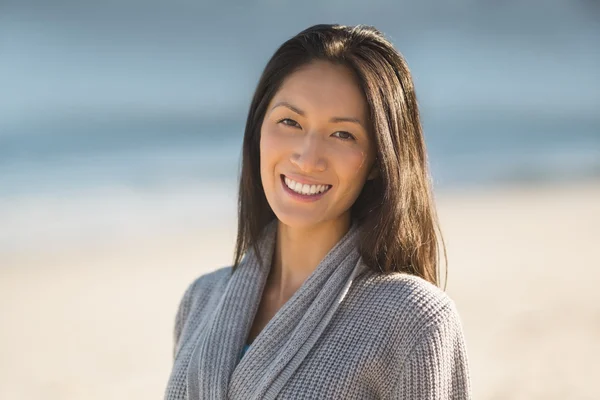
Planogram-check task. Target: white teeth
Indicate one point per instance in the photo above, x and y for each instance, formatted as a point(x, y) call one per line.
point(304, 188)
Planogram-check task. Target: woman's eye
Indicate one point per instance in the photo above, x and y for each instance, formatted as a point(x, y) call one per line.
point(344, 135)
point(289, 122)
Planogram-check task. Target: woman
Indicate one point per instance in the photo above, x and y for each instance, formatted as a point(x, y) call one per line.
point(332, 293)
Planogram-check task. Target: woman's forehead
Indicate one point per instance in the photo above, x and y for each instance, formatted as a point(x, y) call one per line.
point(322, 87)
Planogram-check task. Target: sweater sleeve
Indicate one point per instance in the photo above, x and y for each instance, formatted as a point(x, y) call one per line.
point(181, 316)
point(437, 366)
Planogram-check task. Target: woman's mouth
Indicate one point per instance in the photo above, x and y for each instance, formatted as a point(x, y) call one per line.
point(304, 191)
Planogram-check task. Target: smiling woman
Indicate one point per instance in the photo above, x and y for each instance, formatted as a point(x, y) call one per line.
point(333, 289)
point(315, 134)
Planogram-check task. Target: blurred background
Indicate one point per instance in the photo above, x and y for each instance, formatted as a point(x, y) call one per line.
point(120, 133)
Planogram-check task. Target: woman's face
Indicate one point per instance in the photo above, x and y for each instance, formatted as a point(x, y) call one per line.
point(316, 151)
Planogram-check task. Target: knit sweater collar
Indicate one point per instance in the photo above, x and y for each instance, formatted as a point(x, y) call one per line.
point(216, 371)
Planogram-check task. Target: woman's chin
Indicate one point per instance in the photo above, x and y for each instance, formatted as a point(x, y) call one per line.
point(297, 220)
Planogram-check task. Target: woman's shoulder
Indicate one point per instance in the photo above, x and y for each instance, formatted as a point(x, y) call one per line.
point(196, 297)
point(424, 337)
point(409, 301)
point(208, 282)
point(201, 290)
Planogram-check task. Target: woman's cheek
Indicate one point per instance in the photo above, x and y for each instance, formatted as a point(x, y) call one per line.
point(267, 156)
point(351, 161)
point(268, 146)
point(272, 142)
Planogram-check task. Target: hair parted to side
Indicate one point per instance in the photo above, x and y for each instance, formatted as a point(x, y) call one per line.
point(396, 211)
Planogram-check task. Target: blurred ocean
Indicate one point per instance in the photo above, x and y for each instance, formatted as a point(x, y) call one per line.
point(153, 152)
point(151, 97)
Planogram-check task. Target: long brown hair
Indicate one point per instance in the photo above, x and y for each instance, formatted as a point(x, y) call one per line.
point(396, 211)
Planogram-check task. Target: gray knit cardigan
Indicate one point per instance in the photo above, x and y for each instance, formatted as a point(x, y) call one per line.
point(347, 333)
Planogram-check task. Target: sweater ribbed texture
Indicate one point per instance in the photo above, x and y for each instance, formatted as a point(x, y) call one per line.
point(347, 333)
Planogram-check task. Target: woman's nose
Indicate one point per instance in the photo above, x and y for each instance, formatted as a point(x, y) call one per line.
point(309, 155)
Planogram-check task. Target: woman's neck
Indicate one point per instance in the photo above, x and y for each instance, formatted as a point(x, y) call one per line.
point(298, 252)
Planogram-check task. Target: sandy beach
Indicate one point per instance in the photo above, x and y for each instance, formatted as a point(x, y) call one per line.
point(91, 317)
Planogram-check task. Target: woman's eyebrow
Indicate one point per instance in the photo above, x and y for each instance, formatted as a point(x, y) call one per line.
point(300, 112)
point(288, 105)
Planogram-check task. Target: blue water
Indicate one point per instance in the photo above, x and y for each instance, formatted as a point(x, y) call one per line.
point(150, 154)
